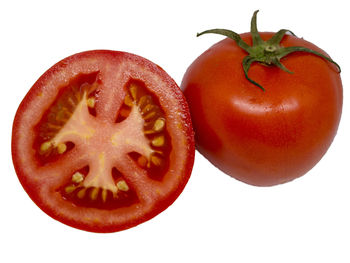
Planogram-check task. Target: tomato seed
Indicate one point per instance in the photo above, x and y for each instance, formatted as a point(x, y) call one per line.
point(144, 100)
point(149, 132)
point(81, 193)
point(133, 91)
point(70, 188)
point(104, 195)
point(150, 115)
point(128, 101)
point(159, 124)
point(90, 102)
point(156, 160)
point(122, 185)
point(61, 148)
point(77, 177)
point(45, 146)
point(94, 193)
point(147, 108)
point(158, 141)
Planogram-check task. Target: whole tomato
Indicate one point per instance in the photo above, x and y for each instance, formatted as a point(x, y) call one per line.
point(272, 126)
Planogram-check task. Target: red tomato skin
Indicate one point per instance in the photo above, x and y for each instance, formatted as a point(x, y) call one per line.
point(263, 138)
point(33, 189)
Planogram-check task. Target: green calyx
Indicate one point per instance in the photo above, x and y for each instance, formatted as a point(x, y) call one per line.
point(268, 52)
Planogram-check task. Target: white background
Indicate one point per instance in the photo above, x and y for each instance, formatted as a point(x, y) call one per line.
point(216, 218)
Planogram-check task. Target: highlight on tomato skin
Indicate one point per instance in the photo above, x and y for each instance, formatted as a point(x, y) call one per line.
point(103, 141)
point(266, 126)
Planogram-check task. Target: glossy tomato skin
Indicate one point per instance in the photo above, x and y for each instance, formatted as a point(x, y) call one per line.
point(42, 182)
point(263, 138)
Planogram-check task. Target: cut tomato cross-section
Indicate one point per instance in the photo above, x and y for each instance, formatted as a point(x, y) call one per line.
point(103, 141)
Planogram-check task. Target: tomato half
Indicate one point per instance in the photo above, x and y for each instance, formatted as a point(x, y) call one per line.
point(263, 137)
point(103, 141)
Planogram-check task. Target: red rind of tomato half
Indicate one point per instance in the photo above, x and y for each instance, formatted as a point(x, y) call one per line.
point(103, 141)
point(266, 137)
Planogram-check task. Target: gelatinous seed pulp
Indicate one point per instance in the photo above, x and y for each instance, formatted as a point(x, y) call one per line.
point(137, 95)
point(100, 197)
point(59, 113)
point(154, 129)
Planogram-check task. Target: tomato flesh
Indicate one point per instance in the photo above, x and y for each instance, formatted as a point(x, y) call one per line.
point(107, 152)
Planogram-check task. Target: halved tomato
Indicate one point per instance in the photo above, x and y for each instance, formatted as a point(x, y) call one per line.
point(103, 141)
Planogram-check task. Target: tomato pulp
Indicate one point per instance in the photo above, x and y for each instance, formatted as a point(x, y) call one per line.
point(103, 141)
point(263, 137)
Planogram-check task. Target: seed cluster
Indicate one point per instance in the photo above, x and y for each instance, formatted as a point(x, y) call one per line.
point(58, 115)
point(137, 98)
point(77, 189)
point(154, 125)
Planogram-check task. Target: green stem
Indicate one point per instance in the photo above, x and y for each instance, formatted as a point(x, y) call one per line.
point(268, 52)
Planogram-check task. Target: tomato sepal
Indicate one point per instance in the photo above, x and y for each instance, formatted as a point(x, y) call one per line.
point(268, 52)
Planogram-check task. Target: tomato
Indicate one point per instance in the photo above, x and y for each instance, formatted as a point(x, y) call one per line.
point(103, 141)
point(261, 137)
